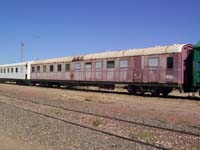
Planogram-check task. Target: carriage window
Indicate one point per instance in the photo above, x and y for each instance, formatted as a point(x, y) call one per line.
point(51, 68)
point(98, 65)
point(38, 68)
point(33, 69)
point(153, 62)
point(77, 66)
point(45, 68)
point(59, 68)
point(1, 70)
point(88, 66)
point(4, 70)
point(170, 62)
point(110, 64)
point(12, 70)
point(67, 67)
point(123, 63)
point(8, 70)
point(16, 70)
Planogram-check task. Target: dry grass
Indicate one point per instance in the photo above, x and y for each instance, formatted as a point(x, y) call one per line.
point(96, 123)
point(142, 136)
point(197, 127)
point(88, 100)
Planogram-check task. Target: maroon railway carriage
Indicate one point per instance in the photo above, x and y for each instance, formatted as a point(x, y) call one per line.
point(157, 70)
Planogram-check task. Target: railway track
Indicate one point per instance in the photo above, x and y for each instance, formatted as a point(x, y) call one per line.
point(107, 117)
point(86, 127)
point(182, 98)
point(192, 98)
point(94, 115)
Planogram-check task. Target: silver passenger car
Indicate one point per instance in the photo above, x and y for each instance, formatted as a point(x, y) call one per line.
point(19, 72)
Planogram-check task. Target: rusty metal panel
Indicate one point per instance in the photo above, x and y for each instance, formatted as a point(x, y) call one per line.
point(76, 75)
point(59, 76)
point(110, 75)
point(67, 76)
point(153, 74)
point(130, 69)
point(150, 70)
point(88, 75)
point(178, 66)
point(88, 71)
point(137, 71)
point(99, 75)
point(171, 74)
point(123, 73)
point(162, 68)
point(160, 73)
point(78, 71)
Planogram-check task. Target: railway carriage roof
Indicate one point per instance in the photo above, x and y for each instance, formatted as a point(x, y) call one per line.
point(14, 65)
point(115, 54)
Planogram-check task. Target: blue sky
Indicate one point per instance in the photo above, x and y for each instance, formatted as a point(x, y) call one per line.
point(56, 28)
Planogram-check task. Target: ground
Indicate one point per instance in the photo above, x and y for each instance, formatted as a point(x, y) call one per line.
point(178, 111)
point(9, 143)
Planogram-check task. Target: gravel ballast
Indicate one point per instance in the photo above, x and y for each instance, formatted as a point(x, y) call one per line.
point(60, 119)
point(57, 135)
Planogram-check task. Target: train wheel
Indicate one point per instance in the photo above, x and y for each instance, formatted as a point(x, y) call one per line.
point(154, 91)
point(131, 90)
point(165, 91)
point(142, 93)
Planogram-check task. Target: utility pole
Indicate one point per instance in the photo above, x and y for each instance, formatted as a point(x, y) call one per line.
point(22, 52)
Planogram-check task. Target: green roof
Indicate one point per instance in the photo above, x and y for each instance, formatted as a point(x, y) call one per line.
point(197, 45)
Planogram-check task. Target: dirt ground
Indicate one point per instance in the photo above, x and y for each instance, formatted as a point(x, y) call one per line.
point(177, 108)
point(176, 111)
point(10, 143)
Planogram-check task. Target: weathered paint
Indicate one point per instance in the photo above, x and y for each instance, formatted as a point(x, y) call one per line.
point(176, 48)
point(138, 70)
